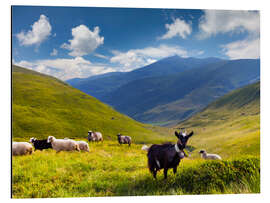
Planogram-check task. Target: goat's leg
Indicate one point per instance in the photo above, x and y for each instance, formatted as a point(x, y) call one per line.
point(155, 173)
point(175, 170)
point(165, 173)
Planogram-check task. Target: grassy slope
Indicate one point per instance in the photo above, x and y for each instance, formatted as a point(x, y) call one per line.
point(43, 105)
point(113, 170)
point(229, 126)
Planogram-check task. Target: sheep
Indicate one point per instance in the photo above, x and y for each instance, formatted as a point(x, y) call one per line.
point(40, 144)
point(63, 144)
point(123, 139)
point(83, 146)
point(145, 148)
point(21, 148)
point(167, 155)
point(205, 155)
point(94, 136)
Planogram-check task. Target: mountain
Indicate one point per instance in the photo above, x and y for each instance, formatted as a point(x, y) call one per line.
point(43, 105)
point(231, 124)
point(170, 98)
point(101, 85)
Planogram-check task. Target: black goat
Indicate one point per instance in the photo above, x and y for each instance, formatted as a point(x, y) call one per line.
point(168, 155)
point(40, 144)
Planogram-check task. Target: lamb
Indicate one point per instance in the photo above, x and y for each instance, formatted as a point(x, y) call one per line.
point(205, 155)
point(124, 139)
point(168, 155)
point(145, 148)
point(21, 148)
point(63, 144)
point(40, 144)
point(83, 146)
point(94, 136)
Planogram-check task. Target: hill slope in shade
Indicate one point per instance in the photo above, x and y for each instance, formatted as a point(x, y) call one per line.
point(175, 97)
point(229, 126)
point(101, 85)
point(43, 105)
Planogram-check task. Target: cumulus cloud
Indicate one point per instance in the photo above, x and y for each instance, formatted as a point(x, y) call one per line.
point(177, 28)
point(54, 52)
point(84, 41)
point(136, 58)
point(64, 68)
point(247, 48)
point(39, 32)
point(214, 22)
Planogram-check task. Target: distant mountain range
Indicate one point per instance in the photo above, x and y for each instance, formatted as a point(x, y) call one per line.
point(171, 89)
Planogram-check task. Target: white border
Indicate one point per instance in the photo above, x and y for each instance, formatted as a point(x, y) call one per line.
point(193, 4)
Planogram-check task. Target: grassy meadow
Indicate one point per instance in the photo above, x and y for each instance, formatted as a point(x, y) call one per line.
point(44, 106)
point(113, 170)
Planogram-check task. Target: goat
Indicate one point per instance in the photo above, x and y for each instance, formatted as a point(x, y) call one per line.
point(205, 155)
point(123, 139)
point(166, 156)
point(94, 136)
point(145, 148)
point(40, 144)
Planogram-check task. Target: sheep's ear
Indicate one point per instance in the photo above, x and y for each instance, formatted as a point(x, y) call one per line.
point(190, 134)
point(176, 134)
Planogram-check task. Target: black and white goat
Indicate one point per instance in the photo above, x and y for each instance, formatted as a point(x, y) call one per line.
point(40, 144)
point(168, 155)
point(123, 139)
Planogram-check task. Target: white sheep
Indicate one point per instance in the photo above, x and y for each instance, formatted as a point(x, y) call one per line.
point(21, 148)
point(145, 148)
point(83, 146)
point(63, 144)
point(205, 155)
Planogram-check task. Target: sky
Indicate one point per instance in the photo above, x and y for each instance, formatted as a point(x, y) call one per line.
point(78, 42)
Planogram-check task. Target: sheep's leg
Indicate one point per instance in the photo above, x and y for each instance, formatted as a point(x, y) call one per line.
point(174, 170)
point(165, 173)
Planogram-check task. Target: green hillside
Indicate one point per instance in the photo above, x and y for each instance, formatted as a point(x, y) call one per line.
point(229, 126)
point(43, 105)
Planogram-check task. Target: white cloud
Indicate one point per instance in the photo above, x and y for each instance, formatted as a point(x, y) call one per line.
point(177, 28)
point(40, 31)
point(136, 58)
point(84, 41)
point(247, 48)
point(64, 69)
point(54, 52)
point(214, 22)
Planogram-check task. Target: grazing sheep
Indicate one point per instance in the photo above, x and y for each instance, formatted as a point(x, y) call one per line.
point(124, 139)
point(205, 155)
point(83, 146)
point(21, 148)
point(63, 144)
point(168, 155)
point(94, 136)
point(145, 148)
point(40, 144)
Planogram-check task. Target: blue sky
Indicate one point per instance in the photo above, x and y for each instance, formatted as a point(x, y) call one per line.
point(69, 42)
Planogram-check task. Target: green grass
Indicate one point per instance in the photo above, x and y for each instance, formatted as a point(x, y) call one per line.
point(113, 170)
point(43, 106)
point(229, 126)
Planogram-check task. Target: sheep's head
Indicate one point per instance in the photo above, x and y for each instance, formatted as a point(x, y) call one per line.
point(202, 151)
point(50, 139)
point(182, 139)
point(118, 135)
point(32, 140)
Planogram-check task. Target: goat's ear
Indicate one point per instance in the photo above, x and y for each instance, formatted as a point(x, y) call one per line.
point(190, 134)
point(176, 134)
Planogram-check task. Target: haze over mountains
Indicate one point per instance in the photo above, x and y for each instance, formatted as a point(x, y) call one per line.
point(171, 89)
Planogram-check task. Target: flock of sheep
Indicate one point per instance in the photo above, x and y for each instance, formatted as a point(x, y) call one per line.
point(164, 156)
point(66, 144)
